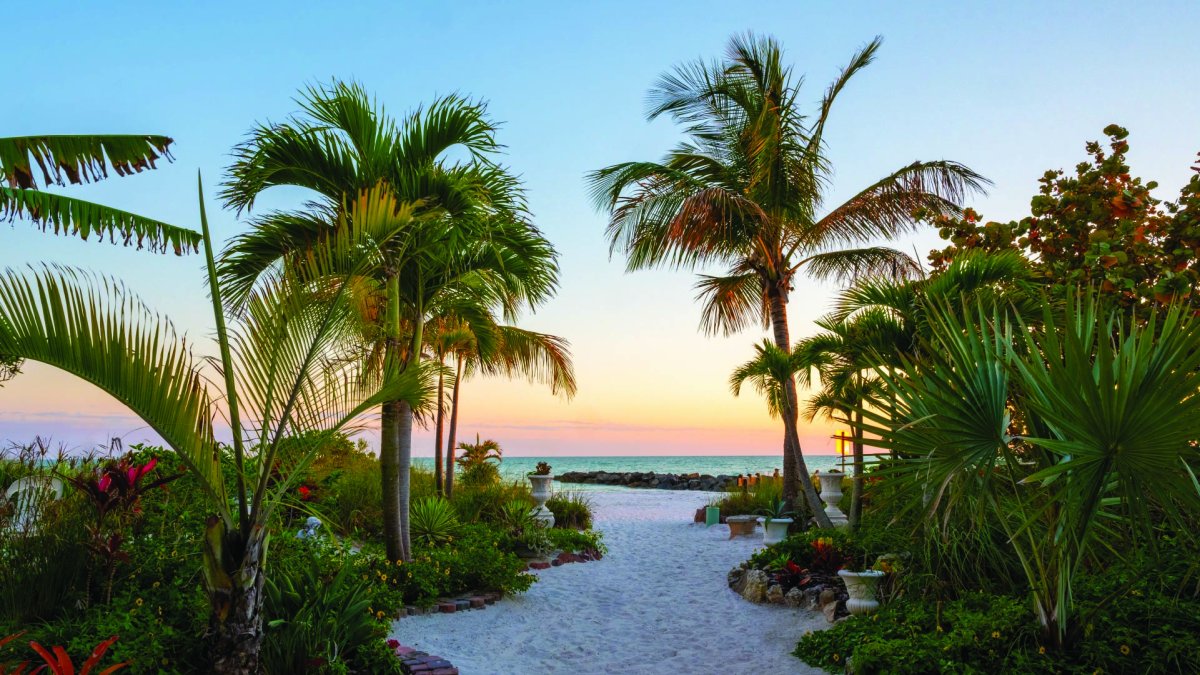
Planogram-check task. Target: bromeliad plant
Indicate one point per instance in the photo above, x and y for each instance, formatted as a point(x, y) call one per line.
point(286, 376)
point(1078, 435)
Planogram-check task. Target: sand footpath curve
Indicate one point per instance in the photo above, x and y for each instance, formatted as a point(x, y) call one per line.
point(657, 603)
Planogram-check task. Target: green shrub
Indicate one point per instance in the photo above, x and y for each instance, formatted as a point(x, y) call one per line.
point(479, 475)
point(485, 504)
point(432, 521)
point(576, 541)
point(478, 559)
point(353, 502)
point(317, 622)
point(1144, 630)
point(571, 510)
point(977, 633)
point(752, 500)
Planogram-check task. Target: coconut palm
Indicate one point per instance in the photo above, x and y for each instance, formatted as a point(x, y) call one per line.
point(285, 381)
point(748, 190)
point(465, 230)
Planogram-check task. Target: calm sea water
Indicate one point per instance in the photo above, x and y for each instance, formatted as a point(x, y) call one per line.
point(516, 467)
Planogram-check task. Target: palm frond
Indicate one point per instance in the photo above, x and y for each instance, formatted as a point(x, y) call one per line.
point(80, 218)
point(849, 265)
point(890, 206)
point(77, 158)
point(731, 303)
point(95, 329)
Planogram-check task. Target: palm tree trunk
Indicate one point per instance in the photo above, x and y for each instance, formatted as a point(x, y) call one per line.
point(795, 469)
point(404, 469)
point(389, 465)
point(453, 430)
point(441, 414)
point(236, 595)
point(857, 489)
point(389, 428)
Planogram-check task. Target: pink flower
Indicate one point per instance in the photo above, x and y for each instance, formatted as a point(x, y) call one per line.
point(148, 467)
point(104, 483)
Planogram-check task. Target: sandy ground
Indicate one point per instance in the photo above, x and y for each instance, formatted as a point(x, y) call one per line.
point(657, 603)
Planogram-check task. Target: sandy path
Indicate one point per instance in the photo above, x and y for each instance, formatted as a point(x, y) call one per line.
point(657, 603)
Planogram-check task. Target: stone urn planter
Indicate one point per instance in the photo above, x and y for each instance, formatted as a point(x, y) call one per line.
point(831, 494)
point(775, 529)
point(863, 588)
point(541, 492)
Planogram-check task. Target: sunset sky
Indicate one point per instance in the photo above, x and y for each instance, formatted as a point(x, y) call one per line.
point(1011, 89)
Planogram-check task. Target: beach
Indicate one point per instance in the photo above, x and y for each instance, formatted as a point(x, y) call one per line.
point(657, 603)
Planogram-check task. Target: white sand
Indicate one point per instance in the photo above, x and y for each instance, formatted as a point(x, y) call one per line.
point(657, 603)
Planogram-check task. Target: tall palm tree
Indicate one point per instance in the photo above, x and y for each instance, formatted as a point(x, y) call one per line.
point(76, 159)
point(748, 190)
point(464, 228)
point(508, 352)
point(446, 337)
point(281, 366)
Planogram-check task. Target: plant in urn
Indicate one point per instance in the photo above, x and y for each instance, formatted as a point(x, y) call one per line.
point(541, 478)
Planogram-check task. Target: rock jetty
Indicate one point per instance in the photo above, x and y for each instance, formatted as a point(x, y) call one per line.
point(649, 479)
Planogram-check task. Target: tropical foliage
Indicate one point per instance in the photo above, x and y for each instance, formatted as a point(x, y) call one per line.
point(1100, 226)
point(466, 242)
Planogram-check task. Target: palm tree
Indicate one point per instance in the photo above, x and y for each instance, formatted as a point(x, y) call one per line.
point(82, 159)
point(770, 371)
point(464, 230)
point(281, 366)
point(444, 339)
point(507, 351)
point(747, 190)
point(844, 358)
point(479, 452)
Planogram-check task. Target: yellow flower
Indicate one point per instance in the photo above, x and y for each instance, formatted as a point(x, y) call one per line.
point(155, 584)
point(138, 602)
point(996, 634)
point(836, 658)
point(379, 614)
point(165, 662)
point(383, 577)
point(364, 577)
point(1125, 650)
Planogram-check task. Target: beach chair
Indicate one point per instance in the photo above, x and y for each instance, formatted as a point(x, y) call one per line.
point(27, 497)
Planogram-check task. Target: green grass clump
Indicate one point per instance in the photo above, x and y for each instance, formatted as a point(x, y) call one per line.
point(571, 510)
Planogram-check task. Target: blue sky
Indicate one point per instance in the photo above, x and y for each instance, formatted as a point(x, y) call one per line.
point(1011, 89)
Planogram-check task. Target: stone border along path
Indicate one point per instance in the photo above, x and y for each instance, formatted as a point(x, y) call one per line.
point(657, 603)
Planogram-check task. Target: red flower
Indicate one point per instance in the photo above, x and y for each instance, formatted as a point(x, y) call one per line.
point(305, 493)
point(393, 643)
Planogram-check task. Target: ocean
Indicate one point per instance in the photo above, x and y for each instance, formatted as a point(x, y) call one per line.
point(513, 468)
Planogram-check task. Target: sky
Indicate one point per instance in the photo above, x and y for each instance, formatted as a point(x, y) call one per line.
point(1010, 89)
